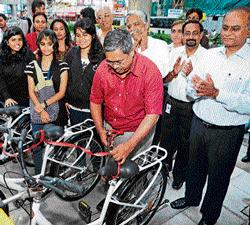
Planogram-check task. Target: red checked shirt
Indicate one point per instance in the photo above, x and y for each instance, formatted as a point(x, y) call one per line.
point(127, 101)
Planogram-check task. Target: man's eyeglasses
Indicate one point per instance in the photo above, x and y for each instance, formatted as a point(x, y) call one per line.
point(193, 18)
point(105, 16)
point(117, 63)
point(188, 34)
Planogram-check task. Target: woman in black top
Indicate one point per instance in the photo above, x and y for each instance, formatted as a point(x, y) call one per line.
point(14, 56)
point(83, 61)
point(52, 69)
point(62, 32)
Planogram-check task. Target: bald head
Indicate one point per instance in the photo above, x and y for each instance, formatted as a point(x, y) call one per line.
point(235, 28)
point(241, 9)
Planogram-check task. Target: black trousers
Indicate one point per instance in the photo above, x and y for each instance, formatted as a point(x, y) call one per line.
point(213, 154)
point(175, 134)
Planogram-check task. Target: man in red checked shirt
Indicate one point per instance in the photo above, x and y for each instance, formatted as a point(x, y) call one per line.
point(130, 88)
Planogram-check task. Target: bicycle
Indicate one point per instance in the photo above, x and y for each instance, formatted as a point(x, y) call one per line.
point(135, 197)
point(67, 162)
point(33, 191)
point(12, 120)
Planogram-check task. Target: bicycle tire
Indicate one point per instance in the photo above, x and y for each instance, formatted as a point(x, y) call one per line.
point(91, 164)
point(129, 192)
point(25, 123)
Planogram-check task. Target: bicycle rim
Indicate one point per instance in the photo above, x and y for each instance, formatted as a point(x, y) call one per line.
point(132, 191)
point(85, 168)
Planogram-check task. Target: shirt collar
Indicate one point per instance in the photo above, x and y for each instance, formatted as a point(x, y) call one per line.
point(244, 52)
point(196, 53)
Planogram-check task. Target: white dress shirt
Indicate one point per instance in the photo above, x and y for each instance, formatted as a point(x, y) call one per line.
point(177, 86)
point(231, 76)
point(158, 52)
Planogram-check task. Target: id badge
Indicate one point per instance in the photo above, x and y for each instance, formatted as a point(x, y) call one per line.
point(168, 108)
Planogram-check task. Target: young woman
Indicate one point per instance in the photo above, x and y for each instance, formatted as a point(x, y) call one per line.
point(39, 23)
point(14, 56)
point(63, 36)
point(83, 61)
point(52, 69)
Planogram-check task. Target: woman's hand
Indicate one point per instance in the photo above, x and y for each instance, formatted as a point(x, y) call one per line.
point(9, 102)
point(39, 107)
point(67, 107)
point(45, 117)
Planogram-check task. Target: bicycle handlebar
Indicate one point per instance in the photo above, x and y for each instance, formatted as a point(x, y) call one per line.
point(56, 184)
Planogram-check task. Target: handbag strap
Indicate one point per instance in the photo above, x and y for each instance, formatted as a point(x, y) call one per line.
point(41, 81)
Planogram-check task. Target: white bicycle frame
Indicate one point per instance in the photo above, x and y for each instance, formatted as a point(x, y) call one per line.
point(147, 160)
point(19, 185)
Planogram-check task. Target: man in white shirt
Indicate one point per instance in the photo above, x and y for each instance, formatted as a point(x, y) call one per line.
point(156, 50)
point(221, 84)
point(104, 17)
point(3, 25)
point(178, 114)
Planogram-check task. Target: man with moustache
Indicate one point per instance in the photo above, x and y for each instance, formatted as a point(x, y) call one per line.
point(221, 84)
point(178, 114)
point(154, 49)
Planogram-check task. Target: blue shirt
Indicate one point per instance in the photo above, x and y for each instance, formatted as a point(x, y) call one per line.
point(231, 76)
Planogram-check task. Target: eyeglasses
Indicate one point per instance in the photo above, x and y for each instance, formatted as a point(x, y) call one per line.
point(117, 63)
point(188, 34)
point(105, 16)
point(193, 18)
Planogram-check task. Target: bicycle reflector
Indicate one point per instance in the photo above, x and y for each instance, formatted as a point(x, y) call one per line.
point(85, 212)
point(4, 218)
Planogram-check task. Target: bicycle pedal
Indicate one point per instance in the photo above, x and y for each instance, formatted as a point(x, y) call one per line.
point(85, 212)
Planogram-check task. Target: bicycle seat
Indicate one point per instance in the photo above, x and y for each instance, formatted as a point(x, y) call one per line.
point(51, 132)
point(128, 169)
point(11, 111)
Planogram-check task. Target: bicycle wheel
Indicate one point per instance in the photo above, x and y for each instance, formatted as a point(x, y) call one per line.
point(77, 167)
point(131, 191)
point(25, 123)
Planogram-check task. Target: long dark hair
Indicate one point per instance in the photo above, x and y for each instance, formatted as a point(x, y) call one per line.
point(52, 36)
point(6, 52)
point(68, 36)
point(96, 47)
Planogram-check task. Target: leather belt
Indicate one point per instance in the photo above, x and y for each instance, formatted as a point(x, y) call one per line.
point(213, 126)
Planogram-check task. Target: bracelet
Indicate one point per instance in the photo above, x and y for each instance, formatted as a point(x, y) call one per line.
point(45, 103)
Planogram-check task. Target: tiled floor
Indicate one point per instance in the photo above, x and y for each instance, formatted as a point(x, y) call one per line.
point(65, 213)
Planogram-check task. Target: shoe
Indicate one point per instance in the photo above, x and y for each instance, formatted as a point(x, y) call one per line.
point(180, 203)
point(100, 205)
point(177, 184)
point(203, 221)
point(245, 159)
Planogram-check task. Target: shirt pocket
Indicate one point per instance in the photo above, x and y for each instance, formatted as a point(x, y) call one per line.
point(235, 81)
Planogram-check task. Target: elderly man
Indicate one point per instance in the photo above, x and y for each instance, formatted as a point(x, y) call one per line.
point(3, 25)
point(130, 88)
point(221, 84)
point(155, 49)
point(177, 118)
point(104, 17)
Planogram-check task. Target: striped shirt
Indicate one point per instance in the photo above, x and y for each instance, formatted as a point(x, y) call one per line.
point(30, 69)
point(231, 76)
